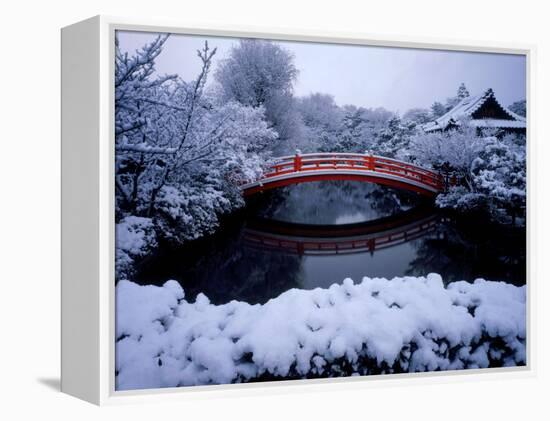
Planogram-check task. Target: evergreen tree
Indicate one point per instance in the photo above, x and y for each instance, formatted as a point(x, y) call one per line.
point(519, 107)
point(462, 92)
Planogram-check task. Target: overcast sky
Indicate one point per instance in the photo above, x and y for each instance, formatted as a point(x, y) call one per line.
point(394, 78)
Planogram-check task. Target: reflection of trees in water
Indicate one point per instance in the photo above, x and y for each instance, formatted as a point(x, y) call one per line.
point(466, 250)
point(324, 202)
point(389, 201)
point(245, 275)
point(224, 268)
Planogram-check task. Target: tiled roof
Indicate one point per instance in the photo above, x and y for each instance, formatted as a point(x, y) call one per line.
point(467, 107)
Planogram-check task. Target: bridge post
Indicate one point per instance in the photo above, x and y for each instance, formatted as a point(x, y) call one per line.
point(297, 161)
point(444, 179)
point(369, 159)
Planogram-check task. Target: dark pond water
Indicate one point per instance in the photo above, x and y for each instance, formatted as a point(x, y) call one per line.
point(316, 234)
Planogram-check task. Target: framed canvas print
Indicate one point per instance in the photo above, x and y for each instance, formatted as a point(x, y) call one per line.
point(243, 209)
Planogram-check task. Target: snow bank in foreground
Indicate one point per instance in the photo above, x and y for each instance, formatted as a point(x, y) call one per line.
point(378, 326)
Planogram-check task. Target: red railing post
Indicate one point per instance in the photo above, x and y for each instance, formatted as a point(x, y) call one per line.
point(370, 161)
point(371, 165)
point(297, 161)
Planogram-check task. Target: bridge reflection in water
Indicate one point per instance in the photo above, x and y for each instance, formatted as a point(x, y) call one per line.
point(320, 240)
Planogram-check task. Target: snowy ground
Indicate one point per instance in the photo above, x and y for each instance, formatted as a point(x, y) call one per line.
point(378, 326)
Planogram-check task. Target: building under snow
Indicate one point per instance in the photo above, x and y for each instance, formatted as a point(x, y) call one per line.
point(482, 111)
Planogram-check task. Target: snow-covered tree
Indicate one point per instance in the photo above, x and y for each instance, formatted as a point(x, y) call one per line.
point(255, 70)
point(490, 171)
point(377, 117)
point(162, 114)
point(261, 73)
point(393, 140)
point(418, 115)
point(462, 91)
point(181, 151)
point(137, 89)
point(321, 120)
point(452, 150)
point(500, 174)
point(347, 135)
point(359, 129)
point(319, 110)
point(519, 107)
point(438, 109)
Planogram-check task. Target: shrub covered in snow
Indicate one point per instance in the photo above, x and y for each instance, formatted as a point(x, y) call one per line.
point(454, 149)
point(491, 170)
point(378, 326)
point(500, 174)
point(135, 237)
point(191, 212)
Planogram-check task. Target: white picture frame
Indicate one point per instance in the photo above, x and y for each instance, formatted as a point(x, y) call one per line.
point(88, 316)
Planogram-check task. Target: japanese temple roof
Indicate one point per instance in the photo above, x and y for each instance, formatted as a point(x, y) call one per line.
point(467, 107)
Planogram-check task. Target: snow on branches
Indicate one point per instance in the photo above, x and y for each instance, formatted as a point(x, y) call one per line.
point(177, 143)
point(491, 171)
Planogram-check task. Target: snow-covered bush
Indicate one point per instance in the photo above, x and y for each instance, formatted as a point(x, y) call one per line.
point(500, 174)
point(378, 326)
point(461, 199)
point(454, 150)
point(135, 237)
point(191, 211)
point(491, 171)
point(243, 150)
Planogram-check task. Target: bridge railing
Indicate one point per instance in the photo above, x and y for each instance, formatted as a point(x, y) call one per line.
point(353, 161)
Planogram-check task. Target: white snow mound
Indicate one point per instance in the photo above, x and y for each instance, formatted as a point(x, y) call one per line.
point(378, 326)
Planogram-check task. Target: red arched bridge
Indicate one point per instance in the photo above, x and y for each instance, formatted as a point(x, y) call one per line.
point(299, 168)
